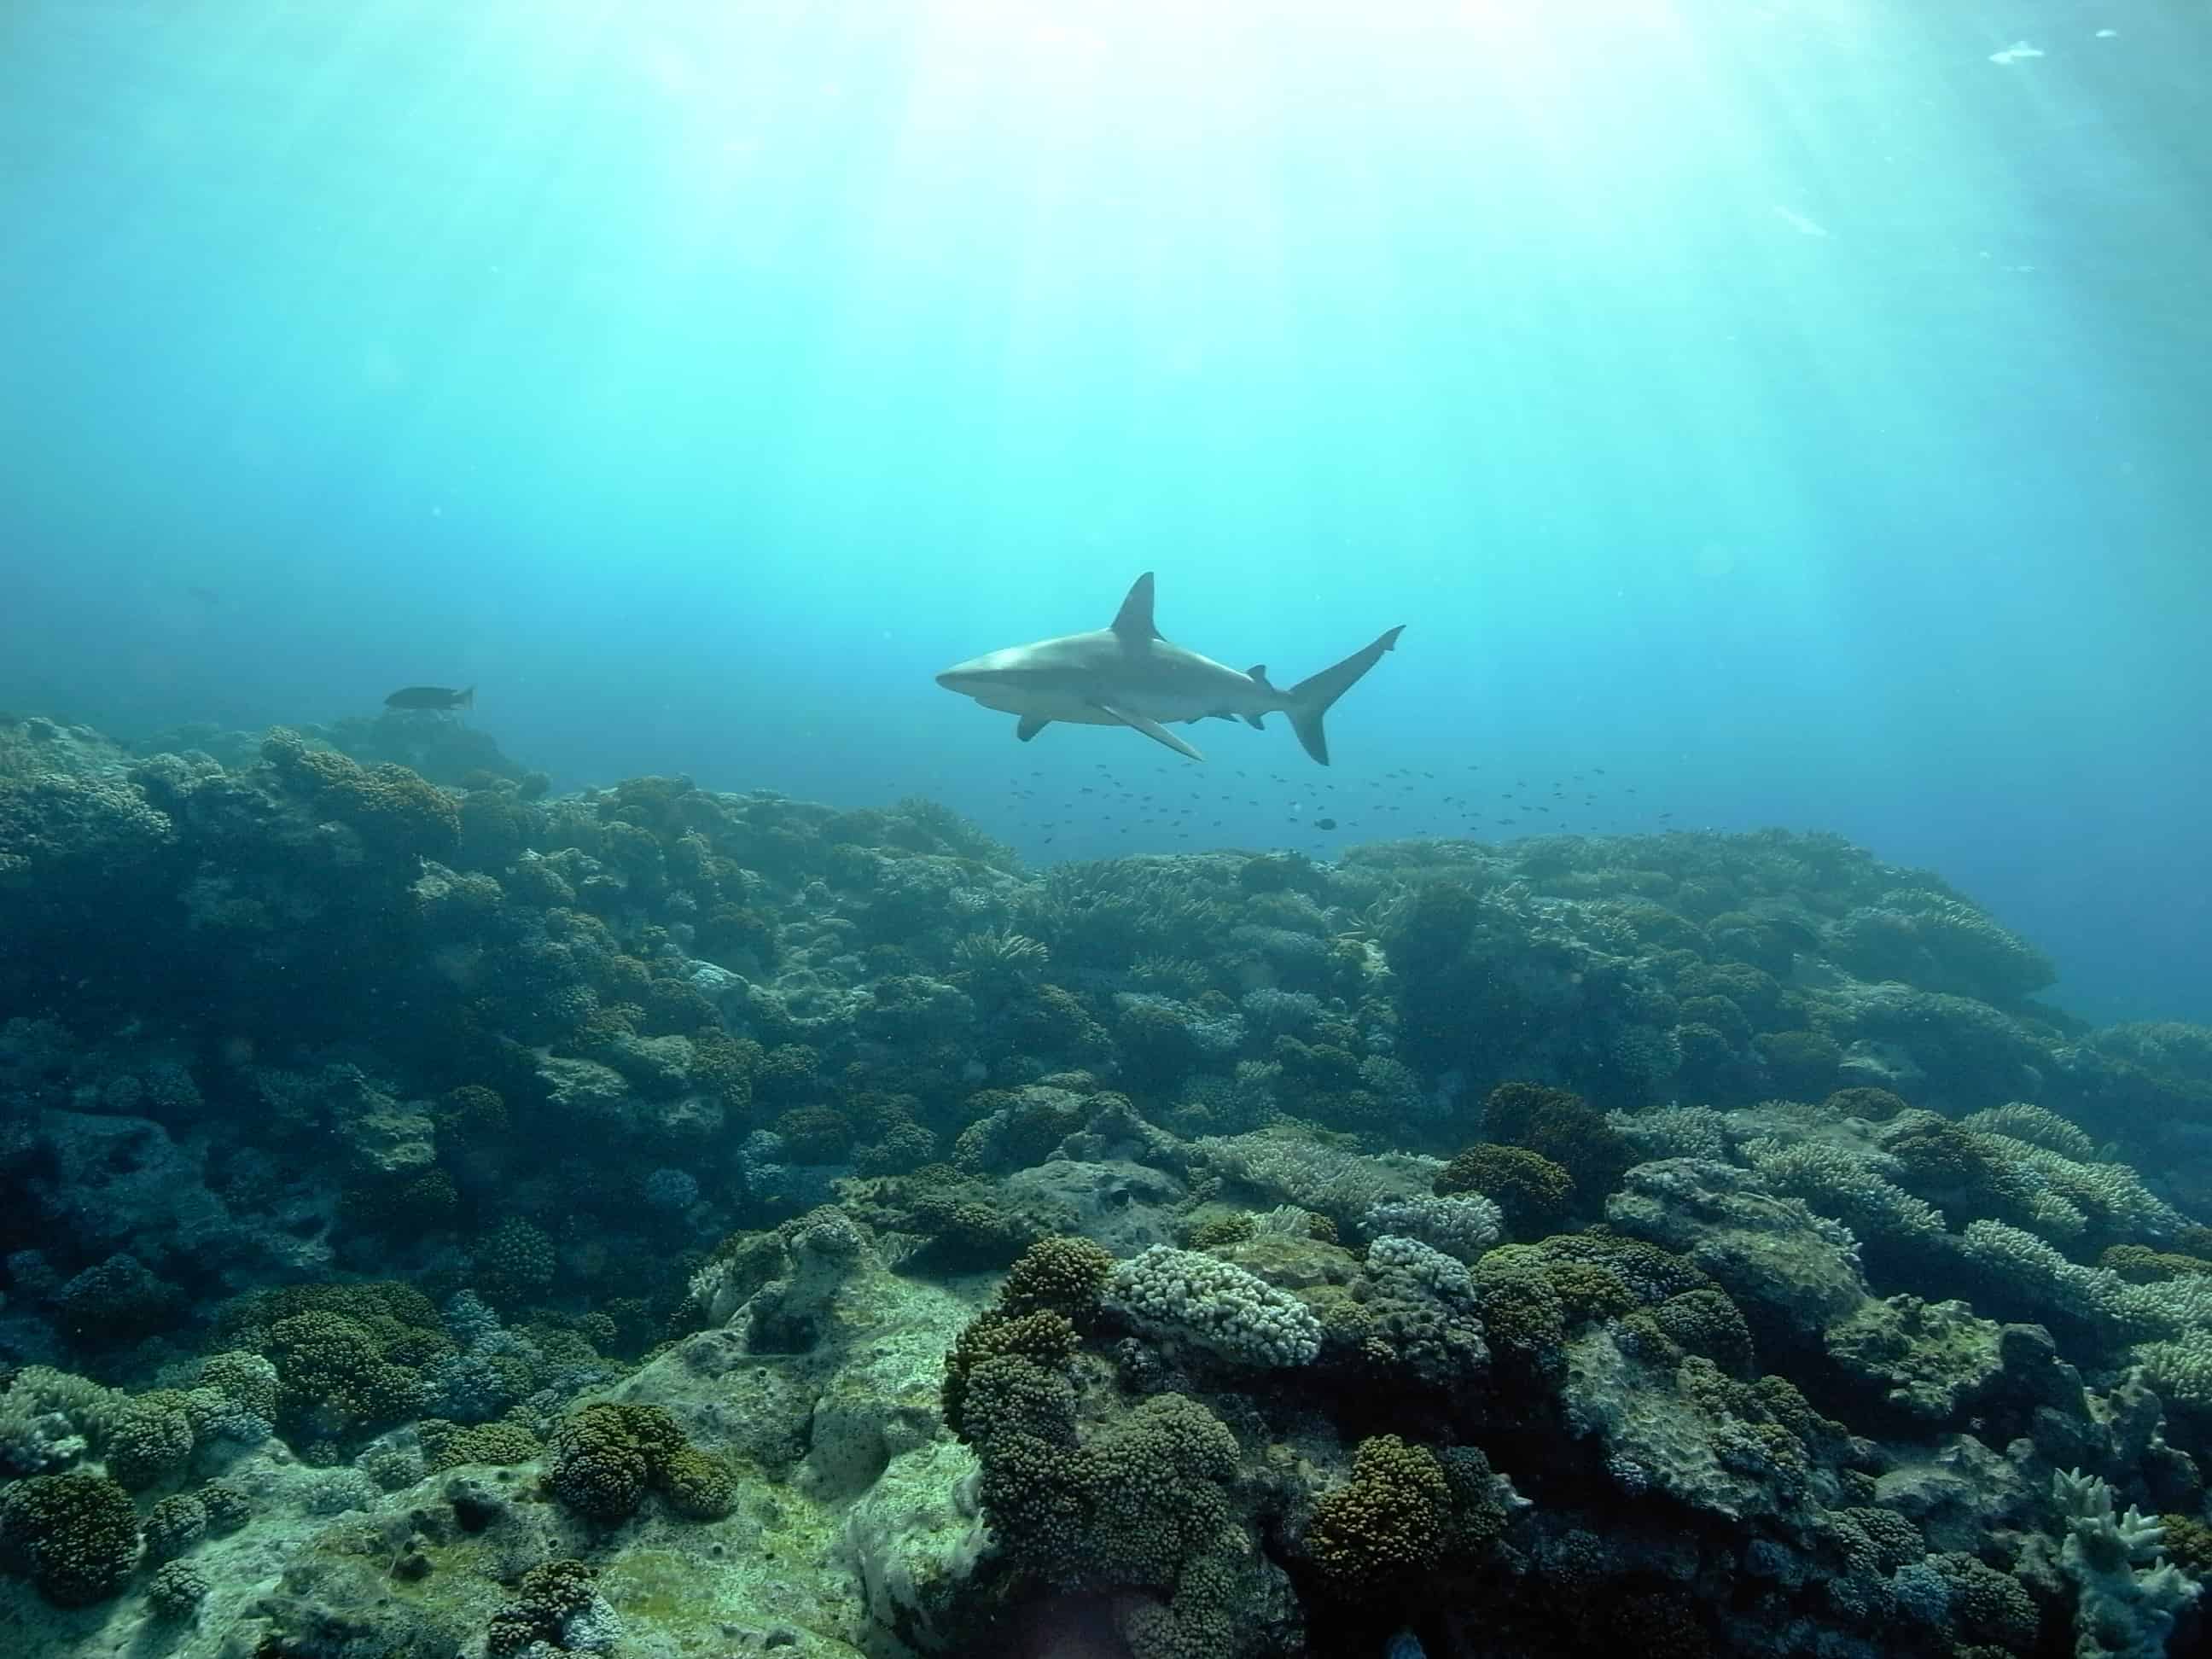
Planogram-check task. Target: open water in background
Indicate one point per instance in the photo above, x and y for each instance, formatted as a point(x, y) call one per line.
point(1798, 410)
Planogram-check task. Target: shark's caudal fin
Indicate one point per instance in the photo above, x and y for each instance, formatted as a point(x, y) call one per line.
point(1311, 697)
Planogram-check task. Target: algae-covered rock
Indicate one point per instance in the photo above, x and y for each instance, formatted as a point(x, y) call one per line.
point(584, 1089)
point(1124, 1205)
point(388, 1139)
point(1924, 1357)
point(1955, 1491)
point(1770, 1253)
point(914, 1538)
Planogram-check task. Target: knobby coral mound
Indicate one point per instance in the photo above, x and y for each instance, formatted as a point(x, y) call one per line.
point(1531, 1191)
point(76, 1534)
point(394, 811)
point(605, 1458)
point(1187, 1296)
point(1384, 1527)
point(1562, 1128)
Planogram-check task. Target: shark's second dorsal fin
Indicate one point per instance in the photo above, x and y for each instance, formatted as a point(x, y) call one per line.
point(1134, 621)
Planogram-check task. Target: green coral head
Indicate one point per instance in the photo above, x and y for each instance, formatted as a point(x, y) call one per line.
point(606, 1456)
point(78, 1532)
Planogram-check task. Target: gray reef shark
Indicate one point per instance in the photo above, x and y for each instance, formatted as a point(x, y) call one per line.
point(1128, 675)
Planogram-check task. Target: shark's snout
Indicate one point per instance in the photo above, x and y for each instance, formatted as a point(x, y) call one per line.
point(966, 678)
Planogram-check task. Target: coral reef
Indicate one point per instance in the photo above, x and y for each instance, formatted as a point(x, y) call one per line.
point(439, 1216)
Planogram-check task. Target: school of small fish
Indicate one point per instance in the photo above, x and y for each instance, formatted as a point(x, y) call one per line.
point(1143, 806)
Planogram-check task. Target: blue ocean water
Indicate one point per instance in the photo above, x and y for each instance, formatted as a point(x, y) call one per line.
point(1795, 412)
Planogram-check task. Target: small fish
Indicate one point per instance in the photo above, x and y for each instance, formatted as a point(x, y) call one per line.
point(1324, 824)
point(431, 696)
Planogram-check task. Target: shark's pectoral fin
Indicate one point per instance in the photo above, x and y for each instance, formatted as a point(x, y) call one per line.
point(1030, 725)
point(1151, 728)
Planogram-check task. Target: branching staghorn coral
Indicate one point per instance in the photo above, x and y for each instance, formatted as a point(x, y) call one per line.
point(1851, 1190)
point(1339, 1183)
point(2037, 1273)
point(1936, 939)
point(1462, 1226)
point(49, 1418)
point(2179, 1369)
point(2111, 1196)
point(1108, 913)
point(1673, 1130)
point(2020, 1120)
point(2128, 1597)
point(998, 958)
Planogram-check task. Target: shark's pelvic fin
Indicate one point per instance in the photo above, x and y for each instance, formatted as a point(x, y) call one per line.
point(1311, 697)
point(1030, 725)
point(1256, 722)
point(1151, 728)
point(1134, 621)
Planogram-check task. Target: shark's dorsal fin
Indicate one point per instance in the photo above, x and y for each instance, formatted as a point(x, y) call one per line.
point(1257, 673)
point(1134, 621)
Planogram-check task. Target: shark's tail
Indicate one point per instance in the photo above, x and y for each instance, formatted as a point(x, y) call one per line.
point(1311, 697)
